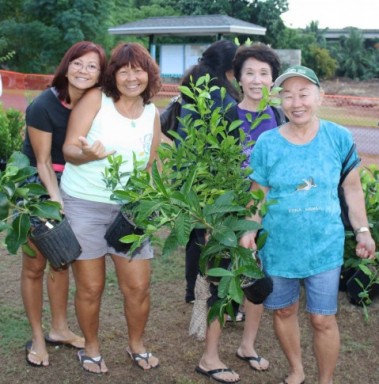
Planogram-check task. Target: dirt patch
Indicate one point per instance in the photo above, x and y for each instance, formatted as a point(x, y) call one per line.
point(167, 336)
point(347, 87)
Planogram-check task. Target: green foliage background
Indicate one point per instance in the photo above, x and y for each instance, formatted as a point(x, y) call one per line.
point(40, 31)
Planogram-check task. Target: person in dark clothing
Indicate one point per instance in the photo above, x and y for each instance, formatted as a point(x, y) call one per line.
point(217, 62)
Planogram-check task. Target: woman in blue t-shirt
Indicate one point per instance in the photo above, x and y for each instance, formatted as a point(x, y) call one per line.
point(298, 166)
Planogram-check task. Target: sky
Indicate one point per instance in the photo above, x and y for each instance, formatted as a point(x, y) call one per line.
point(333, 13)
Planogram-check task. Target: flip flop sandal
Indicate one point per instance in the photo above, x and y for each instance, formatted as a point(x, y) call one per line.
point(137, 357)
point(29, 351)
point(214, 372)
point(91, 360)
point(248, 359)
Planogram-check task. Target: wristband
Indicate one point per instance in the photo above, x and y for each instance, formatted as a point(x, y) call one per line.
point(361, 230)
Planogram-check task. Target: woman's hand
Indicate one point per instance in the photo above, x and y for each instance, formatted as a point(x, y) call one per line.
point(365, 248)
point(96, 151)
point(248, 240)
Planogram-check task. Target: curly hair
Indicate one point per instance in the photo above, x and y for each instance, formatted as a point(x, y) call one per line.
point(134, 55)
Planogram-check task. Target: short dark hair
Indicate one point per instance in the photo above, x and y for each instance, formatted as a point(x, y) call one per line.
point(135, 55)
point(60, 81)
point(216, 60)
point(258, 51)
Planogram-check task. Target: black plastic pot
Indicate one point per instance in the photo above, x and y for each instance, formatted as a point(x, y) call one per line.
point(121, 226)
point(57, 242)
point(257, 290)
point(353, 289)
point(346, 273)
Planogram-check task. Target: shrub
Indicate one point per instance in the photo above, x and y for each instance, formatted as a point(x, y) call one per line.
point(11, 131)
point(370, 184)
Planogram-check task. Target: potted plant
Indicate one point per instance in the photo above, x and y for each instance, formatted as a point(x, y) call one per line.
point(23, 204)
point(362, 276)
point(198, 184)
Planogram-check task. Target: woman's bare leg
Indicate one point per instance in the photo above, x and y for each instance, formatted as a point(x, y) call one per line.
point(32, 295)
point(90, 279)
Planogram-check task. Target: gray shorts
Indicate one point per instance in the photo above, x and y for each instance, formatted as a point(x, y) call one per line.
point(90, 221)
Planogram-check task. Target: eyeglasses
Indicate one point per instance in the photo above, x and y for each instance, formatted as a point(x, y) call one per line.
point(78, 66)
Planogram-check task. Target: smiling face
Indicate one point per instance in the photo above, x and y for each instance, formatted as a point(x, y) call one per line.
point(131, 82)
point(255, 75)
point(300, 100)
point(83, 73)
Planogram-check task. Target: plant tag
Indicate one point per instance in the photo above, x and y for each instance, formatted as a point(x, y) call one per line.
point(49, 225)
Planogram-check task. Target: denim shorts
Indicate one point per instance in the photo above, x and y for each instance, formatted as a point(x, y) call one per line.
point(321, 292)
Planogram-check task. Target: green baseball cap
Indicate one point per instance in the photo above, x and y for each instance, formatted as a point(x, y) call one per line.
point(297, 71)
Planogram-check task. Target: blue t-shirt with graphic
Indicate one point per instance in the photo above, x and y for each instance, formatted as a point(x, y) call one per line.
point(305, 232)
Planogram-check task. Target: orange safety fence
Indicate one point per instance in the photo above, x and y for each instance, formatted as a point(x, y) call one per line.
point(359, 114)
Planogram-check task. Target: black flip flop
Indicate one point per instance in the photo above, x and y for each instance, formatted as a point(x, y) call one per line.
point(28, 350)
point(252, 358)
point(212, 372)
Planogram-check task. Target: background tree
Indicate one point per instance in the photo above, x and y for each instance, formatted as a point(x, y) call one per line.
point(355, 60)
point(313, 46)
point(264, 13)
point(40, 31)
point(320, 61)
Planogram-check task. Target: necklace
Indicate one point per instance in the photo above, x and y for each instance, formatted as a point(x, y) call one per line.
point(132, 113)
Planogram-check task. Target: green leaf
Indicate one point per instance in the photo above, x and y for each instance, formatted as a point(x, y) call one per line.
point(179, 200)
point(4, 226)
point(245, 225)
point(186, 91)
point(235, 291)
point(170, 244)
point(223, 286)
point(367, 271)
point(225, 236)
point(183, 228)
point(23, 174)
point(218, 209)
point(216, 312)
point(157, 179)
point(235, 124)
point(28, 250)
point(36, 189)
point(225, 199)
point(212, 141)
point(261, 240)
point(4, 206)
point(189, 181)
point(130, 238)
point(18, 233)
point(219, 272)
point(18, 160)
point(46, 210)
